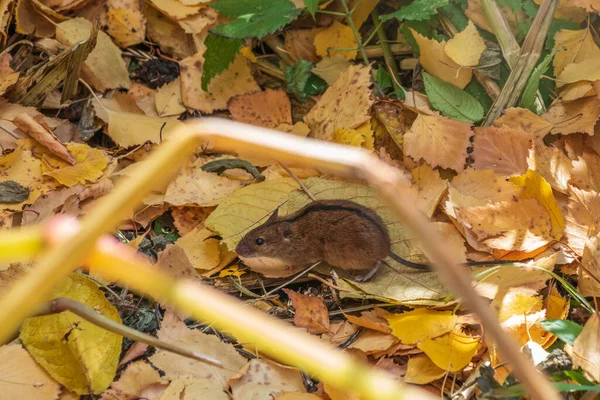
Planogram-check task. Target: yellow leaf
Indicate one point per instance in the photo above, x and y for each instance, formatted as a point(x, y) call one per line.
point(22, 167)
point(231, 271)
point(168, 99)
point(298, 129)
point(587, 284)
point(89, 164)
point(247, 52)
point(524, 119)
point(170, 37)
point(75, 352)
point(174, 9)
point(587, 70)
point(202, 252)
point(22, 378)
point(345, 104)
point(582, 219)
point(466, 47)
point(420, 370)
point(439, 141)
point(577, 46)
point(428, 188)
point(421, 324)
point(574, 116)
point(336, 35)
point(135, 381)
point(330, 68)
point(236, 80)
point(362, 11)
point(452, 351)
point(367, 132)
point(126, 25)
point(586, 348)
point(349, 136)
point(104, 68)
point(132, 129)
point(434, 60)
point(239, 213)
point(552, 164)
point(536, 187)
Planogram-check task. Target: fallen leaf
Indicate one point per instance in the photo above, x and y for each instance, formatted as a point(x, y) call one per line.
point(236, 80)
point(552, 164)
point(452, 351)
point(168, 99)
point(576, 46)
point(522, 225)
point(466, 47)
point(310, 314)
point(586, 353)
point(590, 267)
point(434, 60)
point(428, 188)
point(22, 377)
point(503, 150)
point(421, 370)
point(139, 380)
point(330, 68)
point(30, 21)
point(345, 104)
point(263, 379)
point(174, 261)
point(581, 219)
point(202, 251)
point(300, 44)
point(43, 136)
point(573, 116)
point(104, 68)
point(577, 90)
point(371, 342)
point(127, 25)
point(187, 218)
point(476, 14)
point(173, 330)
point(193, 388)
point(522, 118)
point(268, 109)
point(439, 141)
point(175, 9)
point(416, 326)
point(585, 171)
point(374, 319)
point(169, 36)
point(585, 70)
point(128, 129)
point(89, 165)
point(337, 35)
point(78, 354)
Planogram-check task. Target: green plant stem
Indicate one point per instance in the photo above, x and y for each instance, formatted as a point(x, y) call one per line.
point(387, 54)
point(361, 48)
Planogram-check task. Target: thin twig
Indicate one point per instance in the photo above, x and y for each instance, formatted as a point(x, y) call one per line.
point(298, 181)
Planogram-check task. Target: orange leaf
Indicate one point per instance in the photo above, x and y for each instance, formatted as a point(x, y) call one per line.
point(311, 313)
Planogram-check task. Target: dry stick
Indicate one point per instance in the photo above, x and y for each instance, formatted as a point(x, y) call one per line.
point(298, 181)
point(523, 65)
point(61, 304)
point(210, 305)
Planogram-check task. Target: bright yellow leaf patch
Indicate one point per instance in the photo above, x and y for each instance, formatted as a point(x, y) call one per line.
point(421, 324)
point(89, 165)
point(466, 47)
point(336, 35)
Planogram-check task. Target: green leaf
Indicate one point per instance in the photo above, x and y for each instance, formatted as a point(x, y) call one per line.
point(301, 82)
point(452, 101)
point(475, 89)
point(556, 26)
point(220, 52)
point(519, 390)
point(311, 6)
point(530, 8)
point(457, 16)
point(531, 87)
point(254, 17)
point(383, 78)
point(514, 5)
point(567, 331)
point(418, 10)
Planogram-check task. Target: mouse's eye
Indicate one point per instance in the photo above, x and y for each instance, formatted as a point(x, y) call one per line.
point(260, 241)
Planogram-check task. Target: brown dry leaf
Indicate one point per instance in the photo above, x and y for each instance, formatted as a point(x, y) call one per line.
point(296, 396)
point(577, 90)
point(168, 99)
point(174, 9)
point(421, 370)
point(589, 270)
point(582, 217)
point(193, 388)
point(552, 164)
point(31, 21)
point(202, 250)
point(126, 23)
point(428, 188)
point(434, 60)
point(336, 35)
point(396, 120)
point(143, 97)
point(234, 81)
point(198, 23)
point(104, 68)
point(139, 380)
point(466, 47)
point(578, 45)
point(311, 313)
point(263, 379)
point(371, 342)
point(439, 141)
point(176, 263)
point(521, 225)
point(586, 70)
point(43, 136)
point(339, 332)
point(476, 14)
point(298, 129)
point(573, 116)
point(22, 378)
point(174, 330)
point(522, 118)
point(586, 171)
point(330, 68)
point(503, 150)
point(345, 104)
point(374, 319)
point(187, 218)
point(193, 186)
point(300, 44)
point(268, 109)
point(169, 36)
point(45, 206)
point(586, 351)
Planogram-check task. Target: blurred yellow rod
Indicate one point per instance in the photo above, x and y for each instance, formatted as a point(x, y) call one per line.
point(224, 135)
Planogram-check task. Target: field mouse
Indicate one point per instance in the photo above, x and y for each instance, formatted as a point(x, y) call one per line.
point(342, 233)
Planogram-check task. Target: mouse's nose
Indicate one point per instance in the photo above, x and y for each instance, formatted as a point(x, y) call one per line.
point(242, 249)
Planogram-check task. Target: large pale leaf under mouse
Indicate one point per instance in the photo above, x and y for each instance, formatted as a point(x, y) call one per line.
point(247, 208)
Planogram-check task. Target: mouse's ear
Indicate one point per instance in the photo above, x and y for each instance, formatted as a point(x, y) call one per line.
point(274, 215)
point(285, 229)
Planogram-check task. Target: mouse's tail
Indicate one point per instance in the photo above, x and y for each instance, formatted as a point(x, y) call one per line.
point(410, 264)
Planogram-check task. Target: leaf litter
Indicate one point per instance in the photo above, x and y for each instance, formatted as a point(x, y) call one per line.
point(406, 82)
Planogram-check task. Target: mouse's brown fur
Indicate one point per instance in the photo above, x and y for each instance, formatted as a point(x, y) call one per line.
point(342, 233)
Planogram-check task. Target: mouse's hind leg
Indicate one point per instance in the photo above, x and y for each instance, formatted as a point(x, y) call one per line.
point(369, 274)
